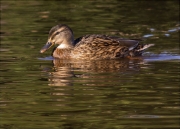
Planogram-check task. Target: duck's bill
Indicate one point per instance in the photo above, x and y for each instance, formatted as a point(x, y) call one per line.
point(46, 46)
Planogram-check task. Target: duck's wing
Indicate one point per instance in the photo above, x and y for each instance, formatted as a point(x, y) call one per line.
point(107, 47)
point(104, 41)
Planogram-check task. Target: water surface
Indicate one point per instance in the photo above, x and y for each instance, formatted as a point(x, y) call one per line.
point(38, 92)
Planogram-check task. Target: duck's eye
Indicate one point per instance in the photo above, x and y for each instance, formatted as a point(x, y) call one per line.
point(57, 33)
point(54, 35)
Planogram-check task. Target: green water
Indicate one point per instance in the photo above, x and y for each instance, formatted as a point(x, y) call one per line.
point(37, 92)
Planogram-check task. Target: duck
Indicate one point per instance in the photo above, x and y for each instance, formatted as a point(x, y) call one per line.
point(92, 46)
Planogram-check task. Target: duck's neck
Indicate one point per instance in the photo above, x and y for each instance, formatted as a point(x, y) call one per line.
point(66, 44)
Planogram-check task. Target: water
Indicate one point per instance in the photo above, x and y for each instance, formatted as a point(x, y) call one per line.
point(38, 92)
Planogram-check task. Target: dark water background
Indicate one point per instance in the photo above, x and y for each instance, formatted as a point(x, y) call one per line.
point(37, 92)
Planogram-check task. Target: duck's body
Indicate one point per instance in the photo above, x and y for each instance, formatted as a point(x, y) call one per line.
point(91, 47)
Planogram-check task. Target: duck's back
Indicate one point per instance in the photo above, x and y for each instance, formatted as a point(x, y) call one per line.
point(102, 47)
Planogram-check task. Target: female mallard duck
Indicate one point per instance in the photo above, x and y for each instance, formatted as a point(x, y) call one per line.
point(91, 46)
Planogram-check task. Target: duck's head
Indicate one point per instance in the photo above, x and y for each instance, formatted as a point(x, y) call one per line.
point(61, 35)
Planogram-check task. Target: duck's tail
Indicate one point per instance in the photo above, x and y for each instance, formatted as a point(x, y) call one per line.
point(137, 51)
point(145, 47)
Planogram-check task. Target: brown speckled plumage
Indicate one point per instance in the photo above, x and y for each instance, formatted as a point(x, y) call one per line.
point(91, 47)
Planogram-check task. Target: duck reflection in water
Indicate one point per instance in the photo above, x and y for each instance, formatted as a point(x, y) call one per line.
point(66, 72)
